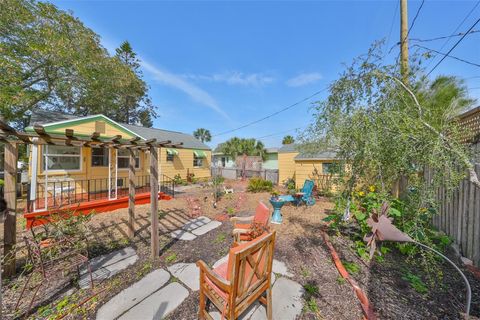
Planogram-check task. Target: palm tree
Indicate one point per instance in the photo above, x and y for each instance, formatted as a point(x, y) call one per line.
point(249, 147)
point(288, 140)
point(202, 135)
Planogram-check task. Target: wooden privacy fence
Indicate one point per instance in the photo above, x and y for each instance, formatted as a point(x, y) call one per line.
point(459, 217)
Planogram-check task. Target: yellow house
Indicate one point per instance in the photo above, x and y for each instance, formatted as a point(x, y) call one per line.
point(67, 170)
point(302, 166)
point(286, 162)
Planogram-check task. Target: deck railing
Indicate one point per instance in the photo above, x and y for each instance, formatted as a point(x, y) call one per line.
point(58, 193)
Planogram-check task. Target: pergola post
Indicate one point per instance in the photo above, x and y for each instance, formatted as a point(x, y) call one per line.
point(10, 196)
point(131, 194)
point(154, 245)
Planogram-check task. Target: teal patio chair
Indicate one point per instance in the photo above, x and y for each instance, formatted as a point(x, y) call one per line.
point(307, 196)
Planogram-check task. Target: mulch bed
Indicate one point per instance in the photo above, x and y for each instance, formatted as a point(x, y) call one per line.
point(299, 244)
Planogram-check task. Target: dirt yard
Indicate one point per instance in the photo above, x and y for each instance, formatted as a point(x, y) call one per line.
point(299, 244)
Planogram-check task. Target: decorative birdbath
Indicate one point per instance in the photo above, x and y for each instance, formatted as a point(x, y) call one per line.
point(277, 204)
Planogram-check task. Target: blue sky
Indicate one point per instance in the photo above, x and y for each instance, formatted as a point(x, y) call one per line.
point(220, 65)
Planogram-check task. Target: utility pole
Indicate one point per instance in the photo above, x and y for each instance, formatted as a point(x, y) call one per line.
point(404, 41)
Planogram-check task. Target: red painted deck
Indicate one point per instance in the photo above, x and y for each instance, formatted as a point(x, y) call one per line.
point(102, 205)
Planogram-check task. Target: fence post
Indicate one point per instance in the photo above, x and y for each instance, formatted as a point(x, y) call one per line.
point(154, 245)
point(131, 194)
point(10, 196)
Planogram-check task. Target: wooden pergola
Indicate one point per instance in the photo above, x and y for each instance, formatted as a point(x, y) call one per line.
point(12, 138)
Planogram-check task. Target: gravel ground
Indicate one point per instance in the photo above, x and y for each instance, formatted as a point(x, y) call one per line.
point(298, 244)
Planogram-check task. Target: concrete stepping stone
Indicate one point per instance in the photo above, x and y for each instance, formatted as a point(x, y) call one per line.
point(196, 223)
point(182, 235)
point(281, 268)
point(206, 228)
point(108, 265)
point(187, 273)
point(158, 305)
point(287, 299)
point(133, 295)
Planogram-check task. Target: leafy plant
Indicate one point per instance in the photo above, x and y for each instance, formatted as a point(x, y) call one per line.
point(172, 257)
point(2, 183)
point(415, 282)
point(178, 179)
point(220, 238)
point(259, 185)
point(230, 211)
point(351, 267)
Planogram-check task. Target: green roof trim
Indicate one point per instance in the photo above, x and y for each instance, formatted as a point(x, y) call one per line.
point(172, 151)
point(199, 153)
point(51, 128)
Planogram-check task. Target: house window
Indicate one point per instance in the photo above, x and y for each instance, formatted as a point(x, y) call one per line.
point(197, 161)
point(61, 158)
point(328, 167)
point(224, 162)
point(123, 159)
point(99, 157)
point(171, 153)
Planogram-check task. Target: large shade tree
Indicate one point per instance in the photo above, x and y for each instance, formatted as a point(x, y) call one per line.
point(50, 60)
point(386, 130)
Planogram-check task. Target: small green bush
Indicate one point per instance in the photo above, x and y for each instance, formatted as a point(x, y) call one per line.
point(2, 182)
point(259, 185)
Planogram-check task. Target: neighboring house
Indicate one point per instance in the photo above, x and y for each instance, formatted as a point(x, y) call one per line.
point(221, 160)
point(271, 159)
point(302, 166)
point(70, 163)
point(286, 162)
point(317, 167)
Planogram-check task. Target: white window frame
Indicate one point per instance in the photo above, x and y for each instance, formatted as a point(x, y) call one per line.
point(45, 155)
point(128, 157)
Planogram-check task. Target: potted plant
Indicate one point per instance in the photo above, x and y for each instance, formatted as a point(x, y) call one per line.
point(275, 195)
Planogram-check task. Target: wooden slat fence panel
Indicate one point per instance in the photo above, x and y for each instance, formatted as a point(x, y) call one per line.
point(459, 217)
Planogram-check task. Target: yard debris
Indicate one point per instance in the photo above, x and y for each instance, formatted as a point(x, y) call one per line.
point(367, 307)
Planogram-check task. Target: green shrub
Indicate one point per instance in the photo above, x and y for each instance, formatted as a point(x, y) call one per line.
point(259, 185)
point(2, 182)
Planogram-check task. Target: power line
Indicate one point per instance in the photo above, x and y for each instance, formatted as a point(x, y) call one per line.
point(454, 46)
point(393, 22)
point(272, 114)
point(443, 37)
point(457, 28)
point(414, 19)
point(446, 55)
point(279, 133)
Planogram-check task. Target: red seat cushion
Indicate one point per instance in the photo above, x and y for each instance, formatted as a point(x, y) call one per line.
point(262, 214)
point(222, 271)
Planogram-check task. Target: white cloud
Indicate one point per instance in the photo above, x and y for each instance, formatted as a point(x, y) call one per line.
point(304, 79)
point(235, 78)
point(180, 83)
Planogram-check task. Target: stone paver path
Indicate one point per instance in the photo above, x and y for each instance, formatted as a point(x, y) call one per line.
point(160, 292)
point(159, 304)
point(131, 296)
point(195, 227)
point(188, 273)
point(108, 265)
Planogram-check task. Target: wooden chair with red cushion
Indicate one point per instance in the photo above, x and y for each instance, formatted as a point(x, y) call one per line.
point(246, 277)
point(243, 226)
